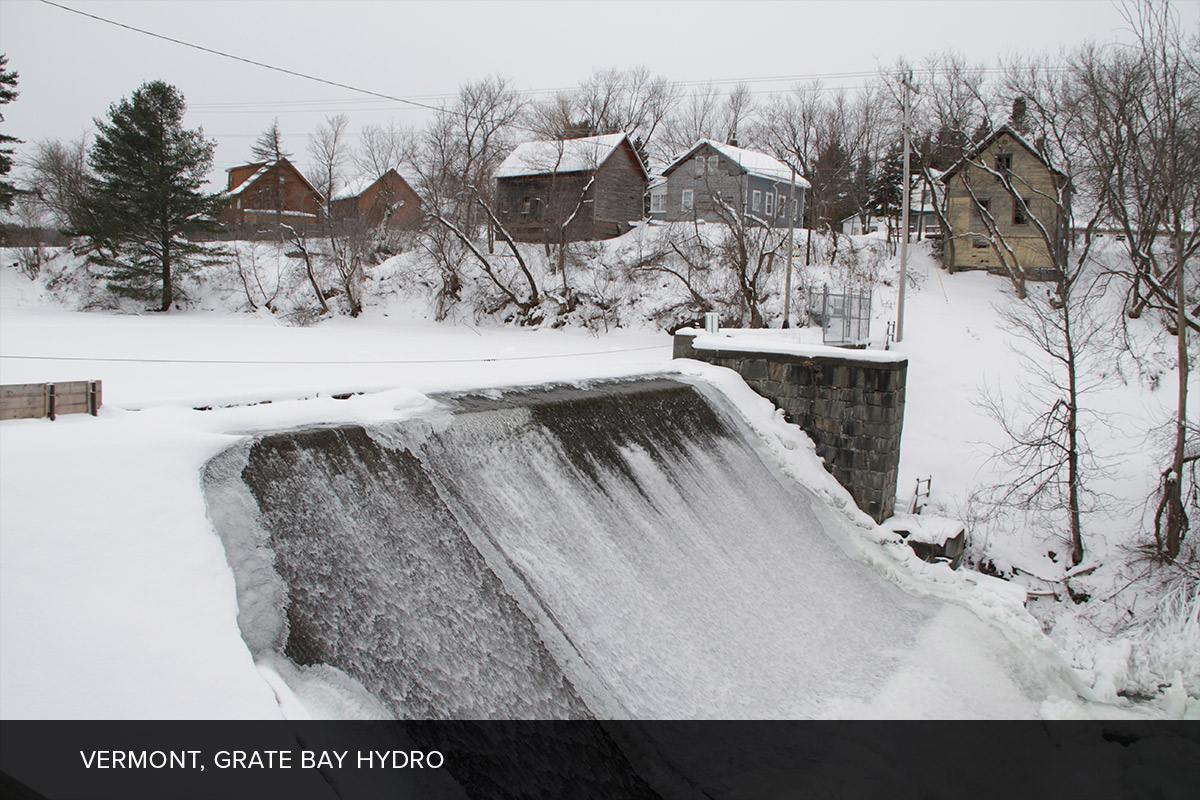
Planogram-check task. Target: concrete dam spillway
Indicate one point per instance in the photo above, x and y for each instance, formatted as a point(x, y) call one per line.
point(623, 550)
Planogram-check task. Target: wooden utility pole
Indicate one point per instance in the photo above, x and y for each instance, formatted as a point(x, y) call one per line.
point(906, 81)
point(787, 282)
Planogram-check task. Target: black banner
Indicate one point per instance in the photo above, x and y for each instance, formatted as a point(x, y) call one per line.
point(326, 760)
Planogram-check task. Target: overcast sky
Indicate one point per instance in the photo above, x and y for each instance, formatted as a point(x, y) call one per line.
point(73, 67)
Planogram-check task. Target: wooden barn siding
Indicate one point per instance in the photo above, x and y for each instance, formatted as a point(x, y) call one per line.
point(620, 189)
point(555, 197)
point(1025, 240)
point(259, 196)
point(372, 203)
point(32, 400)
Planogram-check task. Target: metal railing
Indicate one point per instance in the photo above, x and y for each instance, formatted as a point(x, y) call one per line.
point(844, 317)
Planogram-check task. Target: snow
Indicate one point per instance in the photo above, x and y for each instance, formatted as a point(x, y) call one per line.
point(752, 161)
point(354, 188)
point(786, 343)
point(570, 155)
point(117, 599)
point(927, 528)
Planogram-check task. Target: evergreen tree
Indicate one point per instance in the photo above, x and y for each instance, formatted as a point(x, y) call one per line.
point(8, 93)
point(886, 194)
point(268, 147)
point(832, 182)
point(145, 198)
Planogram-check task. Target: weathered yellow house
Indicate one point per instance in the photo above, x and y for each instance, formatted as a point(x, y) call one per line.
point(1008, 210)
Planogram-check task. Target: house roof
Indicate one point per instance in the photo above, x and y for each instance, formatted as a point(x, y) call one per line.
point(752, 161)
point(562, 155)
point(987, 142)
point(355, 187)
point(263, 168)
point(241, 187)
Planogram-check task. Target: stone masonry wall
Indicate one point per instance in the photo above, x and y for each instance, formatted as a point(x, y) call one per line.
point(853, 410)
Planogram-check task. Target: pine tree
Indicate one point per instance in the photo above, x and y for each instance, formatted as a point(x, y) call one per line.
point(268, 147)
point(145, 197)
point(886, 183)
point(8, 93)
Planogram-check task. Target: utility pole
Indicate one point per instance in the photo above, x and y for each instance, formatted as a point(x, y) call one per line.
point(906, 81)
point(787, 282)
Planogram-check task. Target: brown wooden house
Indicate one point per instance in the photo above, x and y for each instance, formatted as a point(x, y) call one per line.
point(267, 194)
point(372, 201)
point(1004, 190)
point(571, 190)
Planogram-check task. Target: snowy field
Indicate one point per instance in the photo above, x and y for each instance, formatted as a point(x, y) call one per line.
point(116, 600)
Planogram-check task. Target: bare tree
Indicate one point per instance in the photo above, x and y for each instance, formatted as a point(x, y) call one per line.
point(381, 148)
point(56, 176)
point(28, 243)
point(462, 146)
point(628, 101)
point(329, 154)
point(459, 152)
point(708, 113)
point(1047, 444)
point(345, 234)
point(1139, 131)
point(260, 284)
point(820, 138)
point(748, 249)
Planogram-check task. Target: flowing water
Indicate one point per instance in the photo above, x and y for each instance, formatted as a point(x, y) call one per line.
point(622, 550)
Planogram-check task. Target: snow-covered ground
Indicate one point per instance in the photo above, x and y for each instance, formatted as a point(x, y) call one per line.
point(116, 599)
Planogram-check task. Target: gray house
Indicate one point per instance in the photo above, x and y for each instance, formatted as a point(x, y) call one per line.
point(715, 181)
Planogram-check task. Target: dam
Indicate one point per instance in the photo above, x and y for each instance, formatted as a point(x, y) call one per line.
point(628, 549)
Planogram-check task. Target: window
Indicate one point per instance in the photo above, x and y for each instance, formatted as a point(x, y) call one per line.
point(699, 161)
point(1019, 207)
point(982, 205)
point(686, 200)
point(796, 209)
point(756, 203)
point(782, 205)
point(658, 201)
point(713, 161)
point(770, 209)
point(525, 206)
point(1003, 164)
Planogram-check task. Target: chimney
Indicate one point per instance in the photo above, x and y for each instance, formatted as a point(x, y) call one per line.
point(1019, 121)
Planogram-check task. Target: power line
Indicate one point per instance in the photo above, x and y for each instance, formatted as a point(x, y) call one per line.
point(417, 104)
point(240, 58)
point(253, 362)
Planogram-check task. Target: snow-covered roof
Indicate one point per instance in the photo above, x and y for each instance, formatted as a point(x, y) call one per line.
point(354, 188)
point(754, 162)
point(927, 528)
point(241, 187)
point(566, 155)
point(262, 170)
